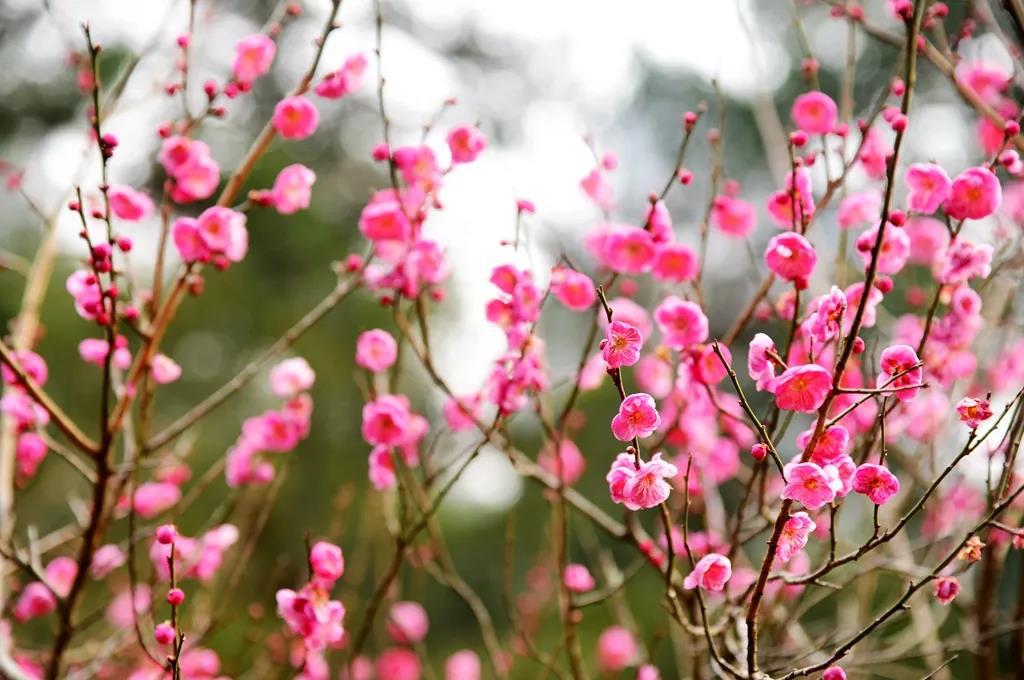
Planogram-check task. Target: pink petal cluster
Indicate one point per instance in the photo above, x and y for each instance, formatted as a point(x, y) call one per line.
point(902, 361)
point(946, 589)
point(733, 216)
point(573, 289)
point(893, 253)
point(253, 56)
point(637, 417)
point(802, 388)
point(974, 195)
point(964, 261)
point(815, 113)
point(640, 487)
point(194, 558)
point(310, 613)
point(295, 117)
point(292, 189)
point(794, 535)
point(621, 344)
point(291, 377)
point(790, 256)
point(345, 80)
point(218, 235)
point(928, 187)
point(875, 482)
point(973, 412)
point(712, 572)
point(569, 464)
point(577, 578)
point(616, 649)
point(682, 323)
point(407, 622)
point(188, 163)
point(811, 484)
point(466, 143)
point(376, 350)
point(129, 204)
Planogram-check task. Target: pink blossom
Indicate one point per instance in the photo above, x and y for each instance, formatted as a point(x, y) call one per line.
point(273, 431)
point(398, 663)
point(833, 673)
point(708, 368)
point(637, 417)
point(875, 482)
point(253, 56)
point(811, 485)
point(407, 622)
point(29, 453)
point(682, 323)
point(964, 261)
point(295, 117)
point(794, 535)
point(892, 255)
point(647, 487)
point(312, 615)
point(896, 360)
point(826, 321)
point(84, 288)
point(830, 447)
point(986, 79)
point(33, 365)
point(106, 559)
point(946, 589)
point(153, 498)
point(35, 600)
point(384, 219)
point(381, 468)
point(128, 204)
point(975, 194)
point(802, 388)
point(577, 578)
point(570, 463)
point(759, 365)
point(873, 153)
point(798, 193)
point(658, 221)
point(626, 310)
point(292, 188)
point(327, 562)
point(815, 113)
point(291, 376)
point(928, 187)
point(595, 185)
point(712, 572)
point(621, 345)
point(733, 216)
point(859, 209)
point(616, 649)
point(573, 289)
point(462, 665)
point(345, 80)
point(973, 412)
point(387, 420)
point(629, 250)
point(460, 412)
point(928, 239)
point(675, 262)
point(654, 375)
point(376, 350)
point(791, 257)
point(165, 369)
point(466, 143)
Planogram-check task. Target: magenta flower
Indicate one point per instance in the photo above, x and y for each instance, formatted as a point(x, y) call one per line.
point(811, 485)
point(928, 187)
point(826, 321)
point(973, 411)
point(621, 345)
point(292, 188)
point(682, 323)
point(628, 249)
point(833, 673)
point(573, 289)
point(946, 589)
point(128, 204)
point(802, 388)
point(831, 445)
point(407, 622)
point(616, 649)
point(675, 262)
point(637, 417)
point(345, 80)
point(893, 254)
point(964, 261)
point(291, 376)
point(759, 365)
point(733, 216)
point(295, 117)
point(466, 143)
point(376, 350)
point(647, 487)
point(975, 194)
point(327, 562)
point(875, 482)
point(712, 572)
point(815, 113)
point(253, 56)
point(896, 360)
point(791, 257)
point(577, 578)
point(794, 535)
point(859, 209)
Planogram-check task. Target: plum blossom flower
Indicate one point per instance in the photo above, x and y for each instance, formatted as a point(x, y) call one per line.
point(894, 361)
point(621, 345)
point(466, 143)
point(376, 350)
point(929, 186)
point(682, 323)
point(811, 484)
point(291, 376)
point(407, 622)
point(833, 673)
point(815, 113)
point(794, 535)
point(712, 572)
point(802, 388)
point(965, 261)
point(875, 482)
point(616, 649)
point(892, 254)
point(859, 209)
point(462, 665)
point(647, 487)
point(973, 412)
point(760, 365)
point(791, 257)
point(295, 117)
point(975, 194)
point(312, 615)
point(733, 216)
point(675, 262)
point(826, 321)
point(128, 204)
point(946, 589)
point(253, 56)
point(577, 578)
point(569, 464)
point(165, 369)
point(637, 417)
point(573, 289)
point(345, 80)
point(153, 498)
point(292, 188)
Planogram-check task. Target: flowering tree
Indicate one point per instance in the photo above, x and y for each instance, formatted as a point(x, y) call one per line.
point(782, 514)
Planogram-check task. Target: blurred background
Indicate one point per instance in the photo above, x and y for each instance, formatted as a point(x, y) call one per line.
point(539, 78)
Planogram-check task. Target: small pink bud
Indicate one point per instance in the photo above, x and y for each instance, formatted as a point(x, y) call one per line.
point(124, 243)
point(689, 120)
point(897, 218)
point(353, 263)
point(898, 87)
point(380, 152)
point(798, 138)
point(183, 40)
point(759, 451)
point(899, 123)
point(164, 633)
point(210, 88)
point(884, 284)
point(685, 176)
point(130, 313)
point(1011, 128)
point(166, 533)
point(175, 596)
point(858, 345)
